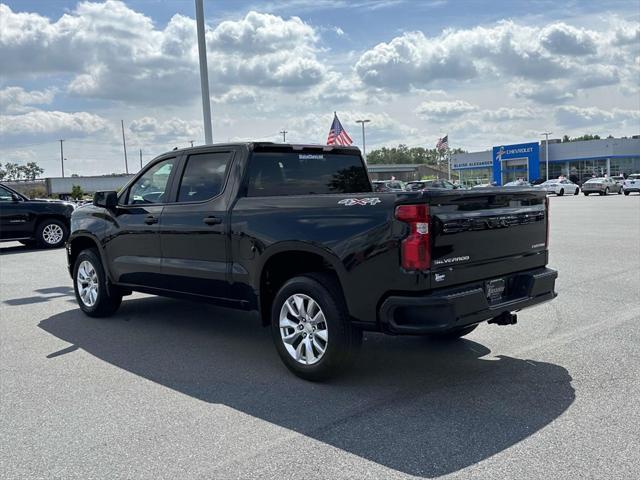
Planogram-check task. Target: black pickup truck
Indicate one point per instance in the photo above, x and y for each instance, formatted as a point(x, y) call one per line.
point(43, 223)
point(295, 235)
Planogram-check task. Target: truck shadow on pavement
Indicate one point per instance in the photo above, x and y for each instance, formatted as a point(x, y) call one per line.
point(417, 406)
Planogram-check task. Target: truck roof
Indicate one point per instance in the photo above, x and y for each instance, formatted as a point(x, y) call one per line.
point(266, 146)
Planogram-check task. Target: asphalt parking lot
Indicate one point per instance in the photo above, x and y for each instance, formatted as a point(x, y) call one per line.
point(172, 389)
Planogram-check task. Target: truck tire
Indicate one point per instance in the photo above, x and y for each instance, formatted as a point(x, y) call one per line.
point(311, 328)
point(457, 333)
point(94, 296)
point(586, 194)
point(51, 233)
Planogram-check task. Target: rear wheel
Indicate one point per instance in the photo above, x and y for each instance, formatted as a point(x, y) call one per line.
point(626, 192)
point(94, 296)
point(311, 328)
point(577, 191)
point(606, 191)
point(457, 333)
point(51, 233)
point(586, 194)
point(561, 192)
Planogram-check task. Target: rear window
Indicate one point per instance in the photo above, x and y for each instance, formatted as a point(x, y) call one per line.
point(294, 173)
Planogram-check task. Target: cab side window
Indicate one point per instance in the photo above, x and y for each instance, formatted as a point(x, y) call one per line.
point(153, 185)
point(203, 176)
point(5, 195)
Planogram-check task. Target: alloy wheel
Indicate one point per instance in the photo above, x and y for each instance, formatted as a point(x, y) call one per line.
point(87, 281)
point(52, 234)
point(303, 329)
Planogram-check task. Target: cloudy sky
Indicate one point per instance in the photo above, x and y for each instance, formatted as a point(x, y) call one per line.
point(486, 73)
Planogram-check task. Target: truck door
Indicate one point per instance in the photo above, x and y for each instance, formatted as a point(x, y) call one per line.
point(132, 241)
point(193, 229)
point(16, 218)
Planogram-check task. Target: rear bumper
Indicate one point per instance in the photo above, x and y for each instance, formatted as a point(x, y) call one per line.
point(464, 305)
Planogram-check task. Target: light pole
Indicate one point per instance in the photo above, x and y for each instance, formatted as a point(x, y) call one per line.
point(546, 150)
point(364, 144)
point(204, 73)
point(124, 147)
point(61, 158)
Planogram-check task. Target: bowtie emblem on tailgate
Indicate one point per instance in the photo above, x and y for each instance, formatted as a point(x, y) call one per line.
point(349, 202)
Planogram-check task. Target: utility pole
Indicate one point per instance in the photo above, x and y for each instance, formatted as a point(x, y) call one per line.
point(61, 157)
point(140, 159)
point(284, 135)
point(124, 146)
point(364, 144)
point(546, 148)
point(204, 73)
point(191, 142)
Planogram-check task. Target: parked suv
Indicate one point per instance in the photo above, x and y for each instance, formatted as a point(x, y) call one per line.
point(44, 223)
point(632, 184)
point(295, 235)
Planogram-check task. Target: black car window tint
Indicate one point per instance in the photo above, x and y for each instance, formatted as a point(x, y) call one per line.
point(203, 177)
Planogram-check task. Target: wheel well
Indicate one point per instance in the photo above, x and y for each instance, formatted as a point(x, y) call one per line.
point(78, 245)
point(283, 266)
point(60, 218)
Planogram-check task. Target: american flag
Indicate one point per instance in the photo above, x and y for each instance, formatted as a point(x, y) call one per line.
point(337, 134)
point(443, 143)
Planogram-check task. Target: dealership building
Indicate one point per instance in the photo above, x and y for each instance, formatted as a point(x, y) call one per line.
point(575, 160)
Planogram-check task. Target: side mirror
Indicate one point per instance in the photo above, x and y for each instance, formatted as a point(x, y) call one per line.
point(15, 198)
point(108, 200)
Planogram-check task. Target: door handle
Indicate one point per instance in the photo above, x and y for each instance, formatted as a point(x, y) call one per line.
point(212, 220)
point(150, 220)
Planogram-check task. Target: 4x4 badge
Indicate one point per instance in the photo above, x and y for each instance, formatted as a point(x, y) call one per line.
point(349, 202)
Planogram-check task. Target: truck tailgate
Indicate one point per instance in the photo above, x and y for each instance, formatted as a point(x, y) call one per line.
point(472, 228)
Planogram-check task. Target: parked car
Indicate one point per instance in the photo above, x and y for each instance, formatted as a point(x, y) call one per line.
point(632, 184)
point(559, 187)
point(601, 185)
point(619, 179)
point(422, 184)
point(295, 235)
point(517, 183)
point(44, 223)
point(388, 186)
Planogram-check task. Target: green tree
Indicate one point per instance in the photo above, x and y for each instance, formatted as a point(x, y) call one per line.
point(32, 170)
point(12, 171)
point(76, 192)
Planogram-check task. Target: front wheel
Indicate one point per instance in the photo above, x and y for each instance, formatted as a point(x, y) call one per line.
point(311, 328)
point(626, 192)
point(606, 191)
point(94, 296)
point(577, 191)
point(561, 192)
point(585, 194)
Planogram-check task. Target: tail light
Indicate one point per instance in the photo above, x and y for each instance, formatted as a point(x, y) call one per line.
point(416, 248)
point(546, 220)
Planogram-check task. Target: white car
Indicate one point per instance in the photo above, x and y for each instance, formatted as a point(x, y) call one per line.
point(560, 187)
point(631, 184)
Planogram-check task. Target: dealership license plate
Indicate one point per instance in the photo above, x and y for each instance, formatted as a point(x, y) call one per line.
point(494, 289)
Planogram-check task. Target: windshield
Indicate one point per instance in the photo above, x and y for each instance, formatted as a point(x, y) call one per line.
point(595, 180)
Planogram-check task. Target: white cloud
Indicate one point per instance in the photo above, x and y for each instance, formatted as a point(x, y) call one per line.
point(444, 110)
point(153, 130)
point(52, 122)
point(117, 53)
point(19, 100)
point(504, 52)
point(573, 116)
